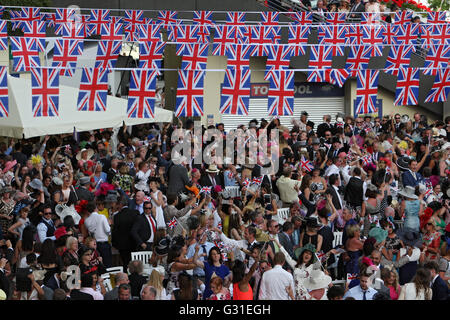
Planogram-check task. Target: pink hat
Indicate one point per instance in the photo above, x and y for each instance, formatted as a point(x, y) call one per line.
point(9, 165)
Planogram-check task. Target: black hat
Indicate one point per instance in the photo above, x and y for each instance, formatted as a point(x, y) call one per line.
point(410, 237)
point(304, 113)
point(335, 139)
point(310, 124)
point(162, 248)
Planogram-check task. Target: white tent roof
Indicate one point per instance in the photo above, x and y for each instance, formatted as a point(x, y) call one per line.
point(22, 123)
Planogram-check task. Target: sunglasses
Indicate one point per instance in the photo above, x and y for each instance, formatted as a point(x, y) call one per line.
point(147, 208)
point(47, 213)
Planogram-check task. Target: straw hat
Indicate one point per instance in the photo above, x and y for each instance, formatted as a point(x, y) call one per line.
point(317, 280)
point(89, 155)
point(212, 169)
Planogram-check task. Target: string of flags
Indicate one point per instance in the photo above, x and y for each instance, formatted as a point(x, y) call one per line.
point(238, 41)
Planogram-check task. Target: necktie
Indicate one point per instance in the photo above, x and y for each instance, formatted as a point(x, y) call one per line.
point(213, 180)
point(364, 295)
point(153, 224)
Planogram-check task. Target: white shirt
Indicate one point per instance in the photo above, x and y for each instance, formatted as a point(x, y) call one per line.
point(274, 283)
point(98, 226)
point(151, 226)
point(42, 231)
point(97, 295)
point(338, 195)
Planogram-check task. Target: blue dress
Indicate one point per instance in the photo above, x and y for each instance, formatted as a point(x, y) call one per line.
point(221, 271)
point(352, 265)
point(412, 221)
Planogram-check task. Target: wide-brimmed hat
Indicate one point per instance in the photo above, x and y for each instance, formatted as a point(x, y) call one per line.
point(408, 192)
point(84, 180)
point(57, 181)
point(162, 248)
point(312, 222)
point(403, 162)
point(212, 169)
point(89, 155)
point(410, 237)
point(9, 165)
point(36, 184)
point(315, 141)
point(307, 247)
point(379, 234)
point(317, 280)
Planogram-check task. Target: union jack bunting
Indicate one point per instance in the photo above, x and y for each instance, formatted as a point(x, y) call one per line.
point(107, 54)
point(366, 91)
point(427, 36)
point(15, 19)
point(112, 32)
point(3, 35)
point(335, 18)
point(25, 14)
point(37, 31)
point(48, 17)
point(298, 38)
point(333, 76)
point(270, 18)
point(399, 56)
point(97, 19)
point(320, 57)
point(303, 17)
point(281, 92)
point(335, 36)
point(279, 57)
point(195, 56)
point(306, 164)
point(203, 18)
point(370, 18)
point(223, 36)
point(441, 87)
point(167, 18)
point(63, 15)
point(407, 91)
point(65, 55)
point(406, 34)
point(437, 58)
point(235, 93)
point(436, 17)
point(206, 190)
point(239, 55)
point(4, 98)
point(261, 36)
point(355, 34)
point(183, 34)
point(72, 30)
point(441, 33)
point(93, 89)
point(44, 92)
point(373, 37)
point(131, 22)
point(149, 32)
point(235, 18)
point(151, 54)
point(357, 59)
point(2, 10)
point(389, 33)
point(189, 93)
point(25, 53)
point(141, 96)
point(172, 223)
point(403, 17)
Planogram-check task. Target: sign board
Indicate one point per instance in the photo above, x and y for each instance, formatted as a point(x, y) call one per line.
point(379, 106)
point(301, 90)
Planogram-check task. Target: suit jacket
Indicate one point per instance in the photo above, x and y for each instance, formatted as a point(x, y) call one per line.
point(76, 294)
point(142, 230)
point(408, 179)
point(324, 127)
point(287, 244)
point(178, 178)
point(84, 194)
point(440, 289)
point(205, 180)
point(136, 283)
point(377, 155)
point(121, 232)
point(335, 198)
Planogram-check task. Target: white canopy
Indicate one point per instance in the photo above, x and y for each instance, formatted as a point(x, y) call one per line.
point(21, 123)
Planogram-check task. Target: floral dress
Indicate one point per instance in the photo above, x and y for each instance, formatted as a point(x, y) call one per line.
point(432, 240)
point(6, 208)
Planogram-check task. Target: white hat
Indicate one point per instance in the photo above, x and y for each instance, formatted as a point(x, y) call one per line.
point(89, 155)
point(212, 168)
point(408, 192)
point(317, 280)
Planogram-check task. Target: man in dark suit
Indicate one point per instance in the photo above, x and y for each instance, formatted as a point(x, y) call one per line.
point(355, 11)
point(411, 177)
point(177, 175)
point(354, 190)
point(336, 148)
point(376, 154)
point(438, 285)
point(326, 125)
point(333, 189)
point(112, 171)
point(137, 203)
point(82, 192)
point(285, 238)
point(122, 239)
point(211, 178)
point(144, 228)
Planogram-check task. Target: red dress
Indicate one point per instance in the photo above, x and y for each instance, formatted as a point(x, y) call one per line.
point(240, 295)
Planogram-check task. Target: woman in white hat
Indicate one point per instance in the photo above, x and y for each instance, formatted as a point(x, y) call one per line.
point(317, 284)
point(84, 155)
point(411, 208)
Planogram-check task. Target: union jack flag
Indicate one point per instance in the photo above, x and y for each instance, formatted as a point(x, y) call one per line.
point(320, 255)
point(321, 57)
point(279, 57)
point(235, 18)
point(132, 21)
point(335, 18)
point(2, 10)
point(107, 54)
point(373, 37)
point(183, 34)
point(3, 35)
point(25, 14)
point(427, 37)
point(112, 32)
point(190, 93)
point(65, 55)
point(15, 19)
point(167, 18)
point(25, 53)
point(235, 93)
point(141, 96)
point(306, 164)
point(406, 34)
point(367, 159)
point(428, 193)
point(335, 36)
point(151, 54)
point(281, 92)
point(239, 55)
point(298, 38)
point(48, 17)
point(355, 34)
point(270, 18)
point(44, 92)
point(223, 36)
point(93, 89)
point(63, 15)
point(358, 59)
point(195, 56)
point(246, 182)
point(399, 57)
point(333, 76)
point(403, 17)
point(407, 92)
point(303, 17)
point(173, 223)
point(203, 18)
point(97, 19)
point(351, 276)
point(149, 32)
point(257, 180)
point(389, 34)
point(4, 98)
point(261, 36)
point(206, 190)
point(370, 17)
point(441, 87)
point(366, 91)
point(37, 31)
point(72, 30)
point(437, 17)
point(441, 33)
point(437, 58)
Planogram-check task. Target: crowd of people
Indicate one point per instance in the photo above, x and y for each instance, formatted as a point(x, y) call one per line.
point(90, 200)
